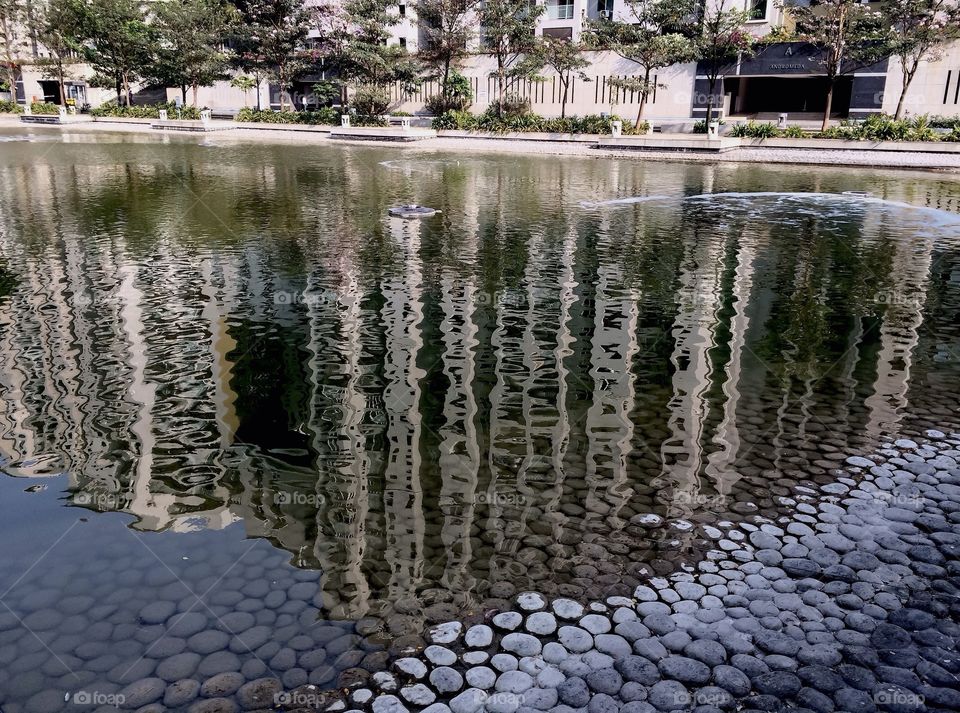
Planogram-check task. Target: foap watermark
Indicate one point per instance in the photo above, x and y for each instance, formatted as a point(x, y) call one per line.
point(102, 501)
point(910, 500)
point(96, 698)
point(897, 298)
point(501, 499)
point(309, 299)
point(699, 500)
point(898, 697)
point(506, 298)
point(296, 498)
point(299, 699)
point(685, 699)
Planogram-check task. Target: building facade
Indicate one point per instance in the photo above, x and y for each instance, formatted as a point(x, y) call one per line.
point(782, 77)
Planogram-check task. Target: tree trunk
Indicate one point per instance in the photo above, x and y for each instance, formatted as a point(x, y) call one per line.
point(63, 88)
point(907, 80)
point(563, 103)
point(195, 89)
point(256, 76)
point(126, 89)
point(644, 93)
point(829, 104)
point(119, 91)
point(446, 77)
point(282, 77)
point(501, 81)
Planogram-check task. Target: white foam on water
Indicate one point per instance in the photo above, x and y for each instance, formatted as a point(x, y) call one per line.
point(941, 218)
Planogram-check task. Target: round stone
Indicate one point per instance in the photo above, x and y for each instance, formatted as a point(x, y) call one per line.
point(478, 636)
point(567, 609)
point(574, 692)
point(418, 695)
point(575, 639)
point(411, 666)
point(669, 696)
point(514, 682)
point(541, 623)
point(504, 662)
point(531, 601)
point(440, 655)
point(685, 670)
point(481, 677)
point(446, 680)
point(470, 701)
point(446, 633)
point(388, 704)
point(521, 644)
point(596, 624)
point(606, 680)
point(508, 620)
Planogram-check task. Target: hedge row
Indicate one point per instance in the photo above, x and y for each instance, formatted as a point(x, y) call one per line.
point(508, 122)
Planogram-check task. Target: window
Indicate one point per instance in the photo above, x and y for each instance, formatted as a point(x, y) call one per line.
point(559, 9)
point(403, 10)
point(605, 8)
point(403, 42)
point(758, 9)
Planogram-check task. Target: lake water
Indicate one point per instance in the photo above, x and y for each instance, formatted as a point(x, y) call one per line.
point(252, 424)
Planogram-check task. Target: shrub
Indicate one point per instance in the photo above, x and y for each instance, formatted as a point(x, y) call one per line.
point(10, 107)
point(370, 101)
point(512, 105)
point(458, 96)
point(944, 122)
point(954, 134)
point(793, 132)
point(325, 116)
point(700, 126)
point(44, 108)
point(755, 130)
point(881, 127)
point(145, 111)
point(489, 121)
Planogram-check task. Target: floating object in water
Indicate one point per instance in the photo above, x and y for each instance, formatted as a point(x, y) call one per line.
point(412, 211)
point(863, 194)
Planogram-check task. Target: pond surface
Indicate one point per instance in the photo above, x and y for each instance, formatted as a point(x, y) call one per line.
point(254, 424)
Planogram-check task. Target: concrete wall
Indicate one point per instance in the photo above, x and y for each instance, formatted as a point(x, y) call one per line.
point(935, 89)
point(586, 97)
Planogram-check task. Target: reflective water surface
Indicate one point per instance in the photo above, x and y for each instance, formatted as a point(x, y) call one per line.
point(319, 427)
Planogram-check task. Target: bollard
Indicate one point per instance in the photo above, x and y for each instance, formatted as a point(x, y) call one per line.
point(163, 115)
point(345, 121)
point(62, 111)
point(616, 128)
point(782, 121)
point(713, 130)
point(205, 115)
point(649, 128)
point(404, 122)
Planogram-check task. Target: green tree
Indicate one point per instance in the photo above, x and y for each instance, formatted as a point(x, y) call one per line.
point(59, 26)
point(118, 43)
point(353, 42)
point(848, 34)
point(920, 29)
point(508, 30)
point(447, 27)
point(722, 40)
point(244, 84)
point(12, 12)
point(564, 57)
point(190, 43)
point(273, 40)
point(653, 34)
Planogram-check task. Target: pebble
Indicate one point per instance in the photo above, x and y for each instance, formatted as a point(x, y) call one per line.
point(478, 636)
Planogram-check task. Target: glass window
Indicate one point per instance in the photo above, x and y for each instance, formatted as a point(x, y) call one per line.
point(758, 9)
point(559, 9)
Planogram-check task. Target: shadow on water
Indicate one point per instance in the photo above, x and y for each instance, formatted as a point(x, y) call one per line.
point(524, 391)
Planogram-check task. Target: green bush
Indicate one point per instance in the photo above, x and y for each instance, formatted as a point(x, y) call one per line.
point(793, 132)
point(324, 116)
point(144, 111)
point(944, 122)
point(953, 136)
point(458, 96)
point(490, 122)
point(700, 126)
point(755, 130)
point(44, 108)
point(881, 127)
point(370, 101)
point(10, 107)
point(512, 105)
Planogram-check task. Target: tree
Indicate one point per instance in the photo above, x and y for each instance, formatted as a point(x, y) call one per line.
point(59, 26)
point(189, 43)
point(722, 40)
point(354, 42)
point(118, 43)
point(447, 27)
point(508, 29)
point(564, 57)
point(12, 13)
point(848, 34)
point(653, 34)
point(244, 84)
point(919, 31)
point(273, 38)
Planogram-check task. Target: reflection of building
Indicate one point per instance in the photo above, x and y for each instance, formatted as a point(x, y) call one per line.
point(411, 404)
